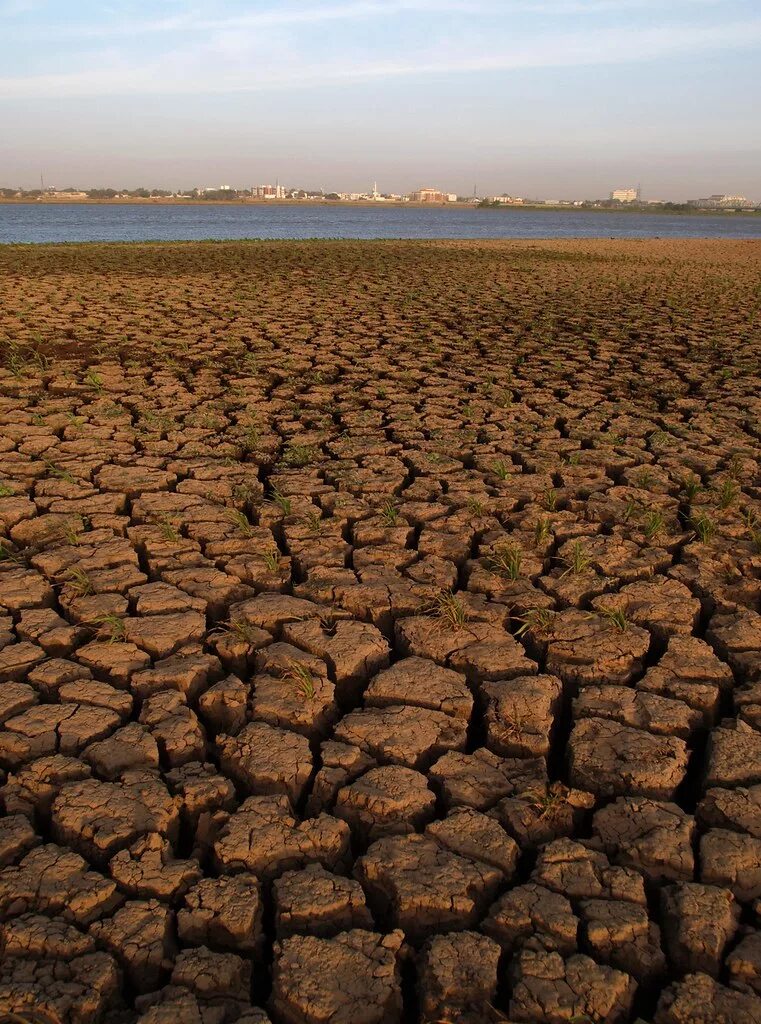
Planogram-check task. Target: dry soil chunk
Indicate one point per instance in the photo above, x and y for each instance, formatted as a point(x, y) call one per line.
point(179, 735)
point(571, 868)
point(520, 714)
point(100, 818)
point(24, 588)
point(551, 812)
point(264, 837)
point(55, 881)
point(15, 698)
point(223, 913)
point(734, 756)
point(457, 977)
point(17, 837)
point(620, 934)
point(354, 651)
point(532, 912)
point(263, 759)
point(550, 990)
point(471, 834)
point(188, 673)
point(149, 870)
point(224, 706)
point(689, 671)
point(424, 888)
point(479, 649)
point(744, 964)
point(298, 700)
point(390, 800)
point(162, 635)
point(18, 660)
point(32, 789)
point(113, 662)
point(584, 649)
point(316, 902)
point(43, 938)
point(654, 838)
point(424, 684)
point(82, 989)
point(664, 606)
point(481, 779)
point(358, 981)
point(201, 789)
point(638, 710)
point(140, 936)
point(54, 729)
point(698, 999)
point(612, 760)
point(698, 922)
point(737, 639)
point(213, 976)
point(733, 860)
point(402, 735)
point(128, 749)
point(737, 809)
point(272, 611)
point(341, 764)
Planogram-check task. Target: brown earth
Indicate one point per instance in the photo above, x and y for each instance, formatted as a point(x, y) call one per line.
point(380, 633)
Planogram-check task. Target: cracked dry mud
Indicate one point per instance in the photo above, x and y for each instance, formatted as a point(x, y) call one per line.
point(380, 633)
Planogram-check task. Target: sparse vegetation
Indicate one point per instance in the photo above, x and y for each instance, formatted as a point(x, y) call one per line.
point(506, 561)
point(449, 607)
point(517, 474)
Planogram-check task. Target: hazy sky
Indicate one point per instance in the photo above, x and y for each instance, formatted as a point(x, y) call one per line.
point(552, 98)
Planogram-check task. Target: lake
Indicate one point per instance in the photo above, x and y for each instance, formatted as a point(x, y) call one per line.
point(79, 222)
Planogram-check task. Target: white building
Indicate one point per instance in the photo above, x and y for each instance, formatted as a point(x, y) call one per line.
point(268, 192)
point(625, 195)
point(722, 202)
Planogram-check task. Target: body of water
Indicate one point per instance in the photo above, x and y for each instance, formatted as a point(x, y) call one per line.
point(80, 222)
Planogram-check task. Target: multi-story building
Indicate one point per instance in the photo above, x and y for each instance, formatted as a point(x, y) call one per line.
point(625, 195)
point(268, 192)
point(429, 195)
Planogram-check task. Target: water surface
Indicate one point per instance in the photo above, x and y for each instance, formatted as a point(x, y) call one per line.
point(80, 222)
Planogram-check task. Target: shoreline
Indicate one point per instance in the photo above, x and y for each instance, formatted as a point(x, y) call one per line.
point(338, 204)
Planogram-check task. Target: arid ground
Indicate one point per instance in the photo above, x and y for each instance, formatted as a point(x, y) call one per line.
point(381, 633)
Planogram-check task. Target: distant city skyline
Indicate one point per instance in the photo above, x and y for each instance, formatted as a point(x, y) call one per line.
point(626, 195)
point(562, 98)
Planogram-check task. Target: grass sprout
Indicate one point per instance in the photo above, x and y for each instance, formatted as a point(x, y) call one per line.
point(303, 680)
point(653, 523)
point(167, 528)
point(615, 617)
point(240, 521)
point(240, 630)
point(506, 561)
point(704, 527)
point(114, 628)
point(579, 561)
point(272, 560)
point(536, 620)
point(389, 513)
point(542, 530)
point(279, 500)
point(449, 607)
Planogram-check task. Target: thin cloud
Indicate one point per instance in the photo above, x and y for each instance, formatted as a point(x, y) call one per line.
point(201, 70)
point(190, 20)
